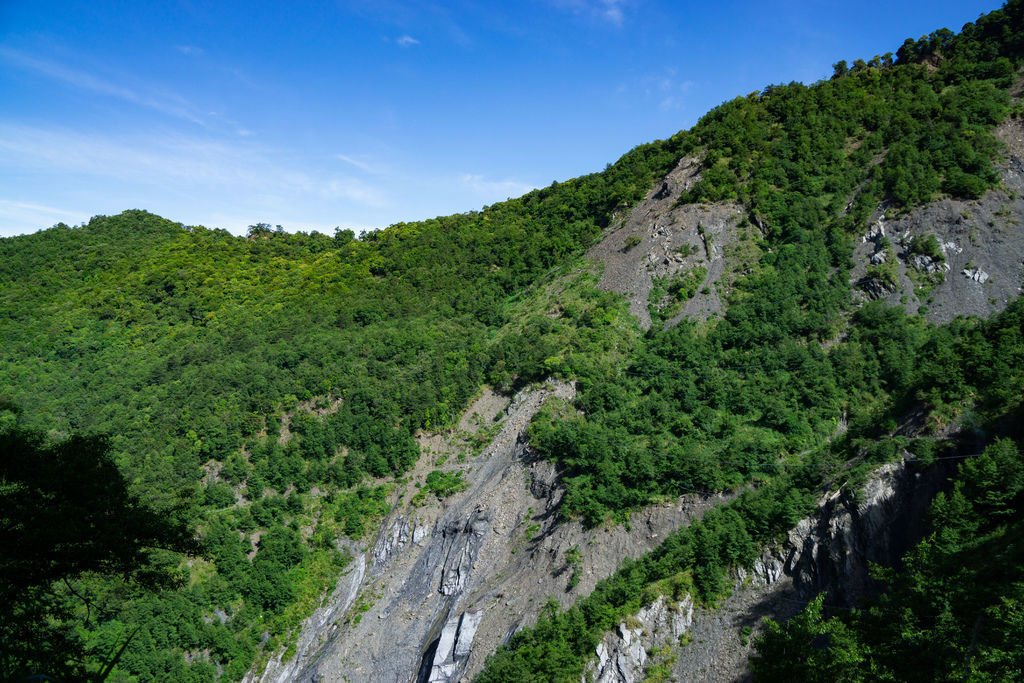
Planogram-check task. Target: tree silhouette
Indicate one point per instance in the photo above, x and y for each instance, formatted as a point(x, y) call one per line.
point(66, 512)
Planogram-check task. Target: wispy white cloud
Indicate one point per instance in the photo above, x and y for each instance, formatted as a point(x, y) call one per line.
point(667, 90)
point(239, 174)
point(22, 217)
point(361, 163)
point(163, 102)
point(7, 204)
point(190, 50)
point(219, 121)
point(123, 158)
point(69, 175)
point(494, 189)
point(609, 11)
point(354, 189)
point(439, 20)
point(670, 91)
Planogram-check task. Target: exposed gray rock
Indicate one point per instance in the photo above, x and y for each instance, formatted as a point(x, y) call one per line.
point(976, 274)
point(875, 288)
point(396, 538)
point(453, 648)
point(672, 240)
point(462, 542)
point(544, 481)
point(977, 236)
point(622, 655)
point(468, 624)
point(876, 232)
point(623, 660)
point(830, 551)
point(926, 264)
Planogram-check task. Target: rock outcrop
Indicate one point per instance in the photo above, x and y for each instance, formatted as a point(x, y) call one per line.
point(623, 655)
point(446, 582)
point(396, 538)
point(981, 243)
point(830, 551)
point(659, 239)
point(833, 550)
point(453, 648)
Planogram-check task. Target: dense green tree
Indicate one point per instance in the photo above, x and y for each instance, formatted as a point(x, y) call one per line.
point(252, 386)
point(951, 612)
point(66, 514)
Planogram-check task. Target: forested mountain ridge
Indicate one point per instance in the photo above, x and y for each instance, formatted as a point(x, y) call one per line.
point(269, 390)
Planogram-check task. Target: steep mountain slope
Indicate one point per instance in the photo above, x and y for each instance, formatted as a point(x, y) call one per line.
point(977, 268)
point(662, 241)
point(272, 386)
point(302, 397)
point(918, 368)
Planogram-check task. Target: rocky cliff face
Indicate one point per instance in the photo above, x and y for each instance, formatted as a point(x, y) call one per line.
point(833, 550)
point(660, 239)
point(830, 551)
point(979, 264)
point(648, 639)
point(444, 583)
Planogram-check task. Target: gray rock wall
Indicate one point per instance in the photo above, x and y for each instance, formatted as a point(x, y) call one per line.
point(830, 551)
point(660, 239)
point(446, 583)
point(982, 245)
point(624, 654)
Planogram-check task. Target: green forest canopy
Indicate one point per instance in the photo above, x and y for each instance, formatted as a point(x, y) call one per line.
point(193, 349)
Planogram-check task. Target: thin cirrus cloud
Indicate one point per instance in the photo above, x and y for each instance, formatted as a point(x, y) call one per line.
point(190, 50)
point(481, 185)
point(226, 179)
point(355, 190)
point(608, 11)
point(153, 159)
point(165, 103)
point(666, 90)
point(361, 163)
point(24, 217)
point(187, 162)
point(406, 41)
point(212, 174)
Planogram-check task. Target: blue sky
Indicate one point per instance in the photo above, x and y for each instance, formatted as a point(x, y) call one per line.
point(317, 114)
